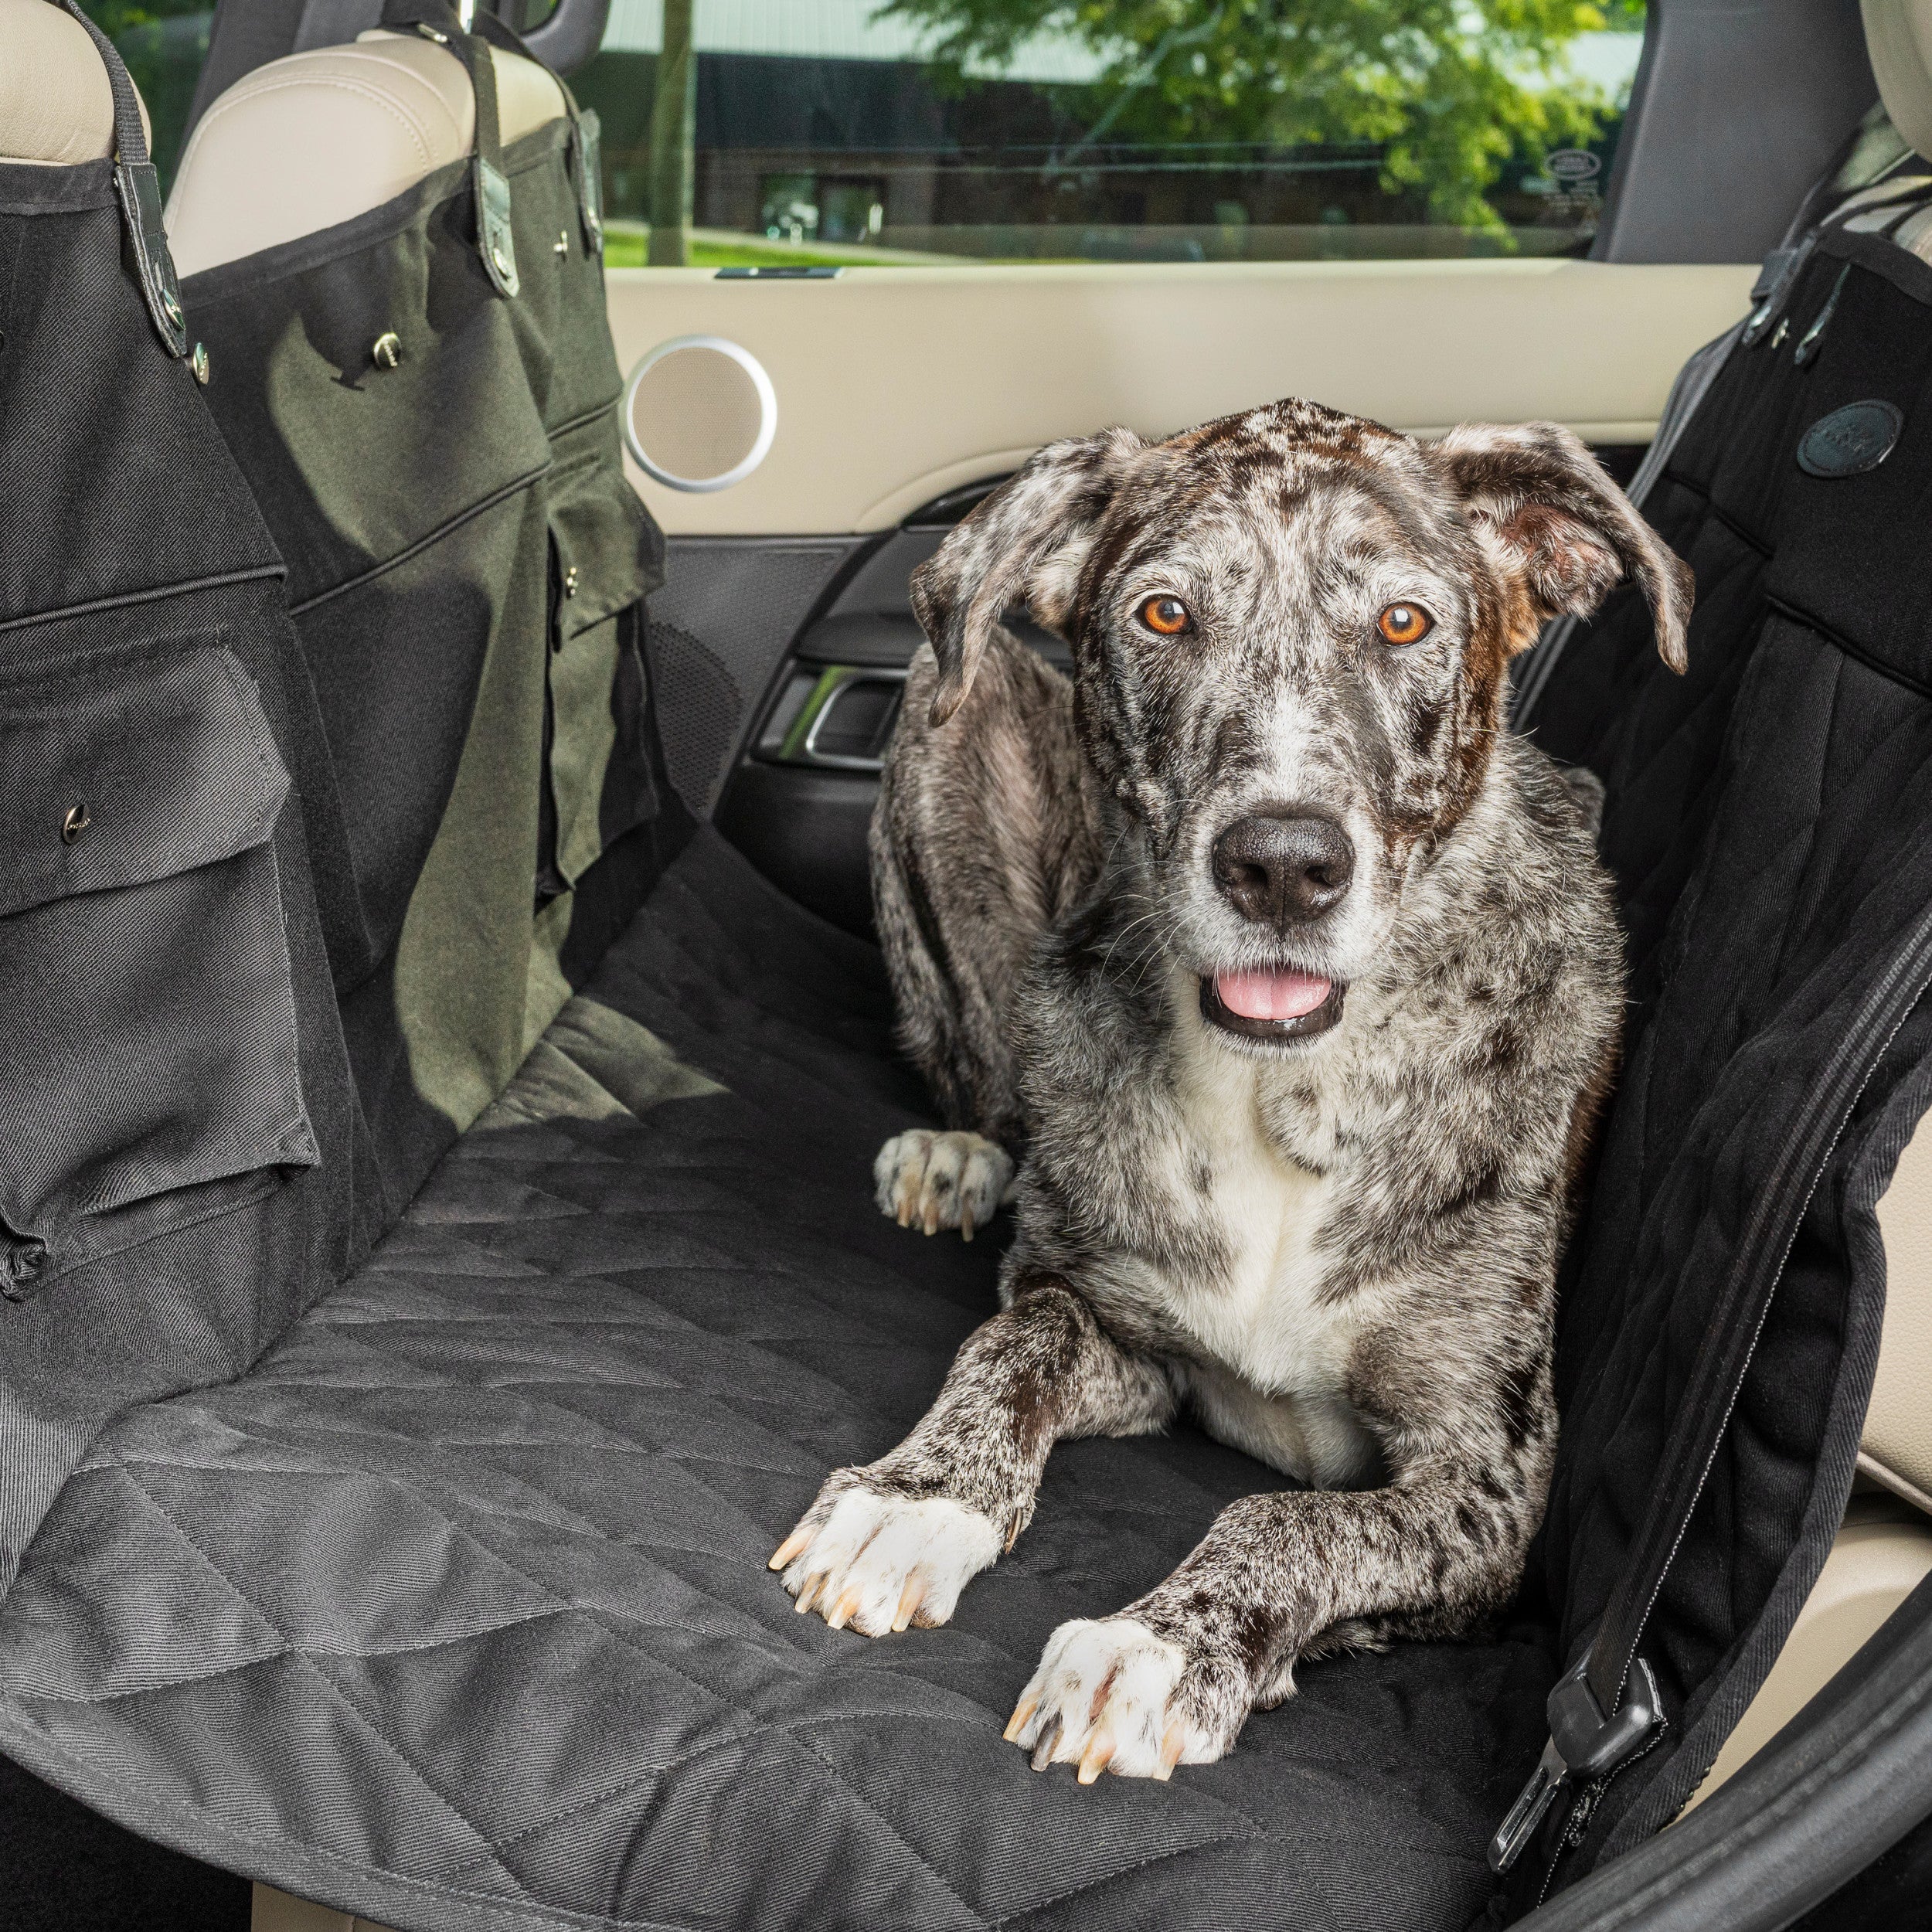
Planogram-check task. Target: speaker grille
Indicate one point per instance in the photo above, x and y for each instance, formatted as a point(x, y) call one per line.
point(700, 413)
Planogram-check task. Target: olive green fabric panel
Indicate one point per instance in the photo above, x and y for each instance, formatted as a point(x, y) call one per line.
point(463, 960)
point(467, 564)
point(594, 1064)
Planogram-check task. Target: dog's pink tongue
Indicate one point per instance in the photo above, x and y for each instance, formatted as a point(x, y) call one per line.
point(1270, 996)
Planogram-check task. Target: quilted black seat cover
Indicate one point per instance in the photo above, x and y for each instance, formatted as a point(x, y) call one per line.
point(454, 1611)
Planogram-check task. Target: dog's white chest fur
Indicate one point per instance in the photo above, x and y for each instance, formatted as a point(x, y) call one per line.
point(1279, 1352)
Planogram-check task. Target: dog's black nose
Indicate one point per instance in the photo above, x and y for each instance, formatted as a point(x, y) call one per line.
point(1280, 871)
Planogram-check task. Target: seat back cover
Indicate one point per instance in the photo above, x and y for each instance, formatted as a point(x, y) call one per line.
point(439, 460)
point(437, 1592)
point(1769, 823)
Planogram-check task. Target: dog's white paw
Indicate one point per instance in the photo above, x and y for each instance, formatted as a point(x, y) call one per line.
point(1103, 1698)
point(933, 1181)
point(881, 1562)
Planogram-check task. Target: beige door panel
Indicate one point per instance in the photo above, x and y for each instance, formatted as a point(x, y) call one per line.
point(895, 385)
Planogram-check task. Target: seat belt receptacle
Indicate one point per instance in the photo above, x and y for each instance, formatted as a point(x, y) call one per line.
point(1584, 1745)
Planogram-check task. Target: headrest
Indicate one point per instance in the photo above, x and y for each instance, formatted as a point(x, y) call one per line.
point(302, 144)
point(1898, 36)
point(56, 105)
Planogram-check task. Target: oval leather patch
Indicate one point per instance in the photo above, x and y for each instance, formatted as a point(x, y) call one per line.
point(1851, 440)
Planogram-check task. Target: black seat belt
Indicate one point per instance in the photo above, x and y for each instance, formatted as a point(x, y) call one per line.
point(138, 188)
point(1605, 1710)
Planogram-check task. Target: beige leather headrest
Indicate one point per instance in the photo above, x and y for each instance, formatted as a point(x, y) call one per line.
point(1897, 1448)
point(56, 105)
point(1898, 36)
point(304, 143)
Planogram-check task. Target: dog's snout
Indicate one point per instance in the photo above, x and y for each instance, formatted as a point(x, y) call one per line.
point(1280, 870)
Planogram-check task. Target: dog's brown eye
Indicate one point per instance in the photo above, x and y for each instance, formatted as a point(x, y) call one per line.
point(1166, 615)
point(1404, 623)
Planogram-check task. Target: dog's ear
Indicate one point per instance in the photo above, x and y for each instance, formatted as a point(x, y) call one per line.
point(1025, 544)
point(1545, 509)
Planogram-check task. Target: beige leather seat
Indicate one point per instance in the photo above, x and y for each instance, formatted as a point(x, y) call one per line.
point(303, 144)
point(56, 107)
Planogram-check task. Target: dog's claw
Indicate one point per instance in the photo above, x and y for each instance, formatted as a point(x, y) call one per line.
point(841, 1611)
point(808, 1591)
point(1043, 1750)
point(1017, 1722)
point(792, 1544)
point(1171, 1747)
point(909, 1599)
point(1098, 1754)
point(932, 1181)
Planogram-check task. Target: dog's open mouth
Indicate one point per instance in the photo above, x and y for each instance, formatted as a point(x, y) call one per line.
point(1276, 1005)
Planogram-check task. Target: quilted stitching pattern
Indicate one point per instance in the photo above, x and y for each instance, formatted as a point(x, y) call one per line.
point(454, 1611)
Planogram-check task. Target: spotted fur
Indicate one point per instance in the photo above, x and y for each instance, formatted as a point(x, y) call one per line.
point(1338, 1251)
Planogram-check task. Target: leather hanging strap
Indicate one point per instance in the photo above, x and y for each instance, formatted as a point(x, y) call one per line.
point(586, 131)
point(138, 188)
point(435, 20)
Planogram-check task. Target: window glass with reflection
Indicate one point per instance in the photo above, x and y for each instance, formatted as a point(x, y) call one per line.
point(928, 131)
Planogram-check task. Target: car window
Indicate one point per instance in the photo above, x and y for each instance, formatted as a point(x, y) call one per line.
point(820, 132)
point(164, 43)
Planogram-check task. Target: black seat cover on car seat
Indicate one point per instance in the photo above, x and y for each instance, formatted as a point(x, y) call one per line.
point(441, 1596)
point(440, 465)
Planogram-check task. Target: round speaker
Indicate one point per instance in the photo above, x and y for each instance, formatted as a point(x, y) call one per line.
point(699, 413)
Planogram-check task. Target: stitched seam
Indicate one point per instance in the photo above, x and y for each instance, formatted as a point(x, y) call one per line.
point(319, 1676)
point(342, 85)
point(422, 543)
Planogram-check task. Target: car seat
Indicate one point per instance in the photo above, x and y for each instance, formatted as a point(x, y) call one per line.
point(418, 1570)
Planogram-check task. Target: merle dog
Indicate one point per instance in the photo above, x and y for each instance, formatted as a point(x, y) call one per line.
point(1292, 980)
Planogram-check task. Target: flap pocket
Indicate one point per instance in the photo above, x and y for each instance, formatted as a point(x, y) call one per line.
point(149, 1052)
point(147, 771)
point(598, 782)
point(606, 544)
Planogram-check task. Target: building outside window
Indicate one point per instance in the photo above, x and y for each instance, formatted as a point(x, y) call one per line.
point(953, 131)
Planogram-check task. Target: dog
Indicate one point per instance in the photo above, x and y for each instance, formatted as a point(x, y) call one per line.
point(1292, 982)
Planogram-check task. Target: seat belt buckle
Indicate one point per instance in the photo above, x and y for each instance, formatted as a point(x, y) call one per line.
point(1584, 1745)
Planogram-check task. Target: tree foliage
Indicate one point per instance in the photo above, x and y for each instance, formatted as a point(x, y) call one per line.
point(1450, 91)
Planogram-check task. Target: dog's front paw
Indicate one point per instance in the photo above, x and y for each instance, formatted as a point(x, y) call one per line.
point(934, 1181)
point(1108, 1697)
point(882, 1562)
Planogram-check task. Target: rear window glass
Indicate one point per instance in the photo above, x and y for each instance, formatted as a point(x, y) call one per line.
point(847, 131)
point(164, 42)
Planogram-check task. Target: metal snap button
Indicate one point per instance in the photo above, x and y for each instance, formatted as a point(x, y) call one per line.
point(77, 821)
point(387, 350)
point(570, 581)
point(199, 363)
point(562, 243)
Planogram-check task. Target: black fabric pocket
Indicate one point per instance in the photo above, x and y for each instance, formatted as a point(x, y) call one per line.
point(597, 780)
point(149, 1046)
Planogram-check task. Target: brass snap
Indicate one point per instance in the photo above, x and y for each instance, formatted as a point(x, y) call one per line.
point(387, 350)
point(77, 821)
point(570, 581)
